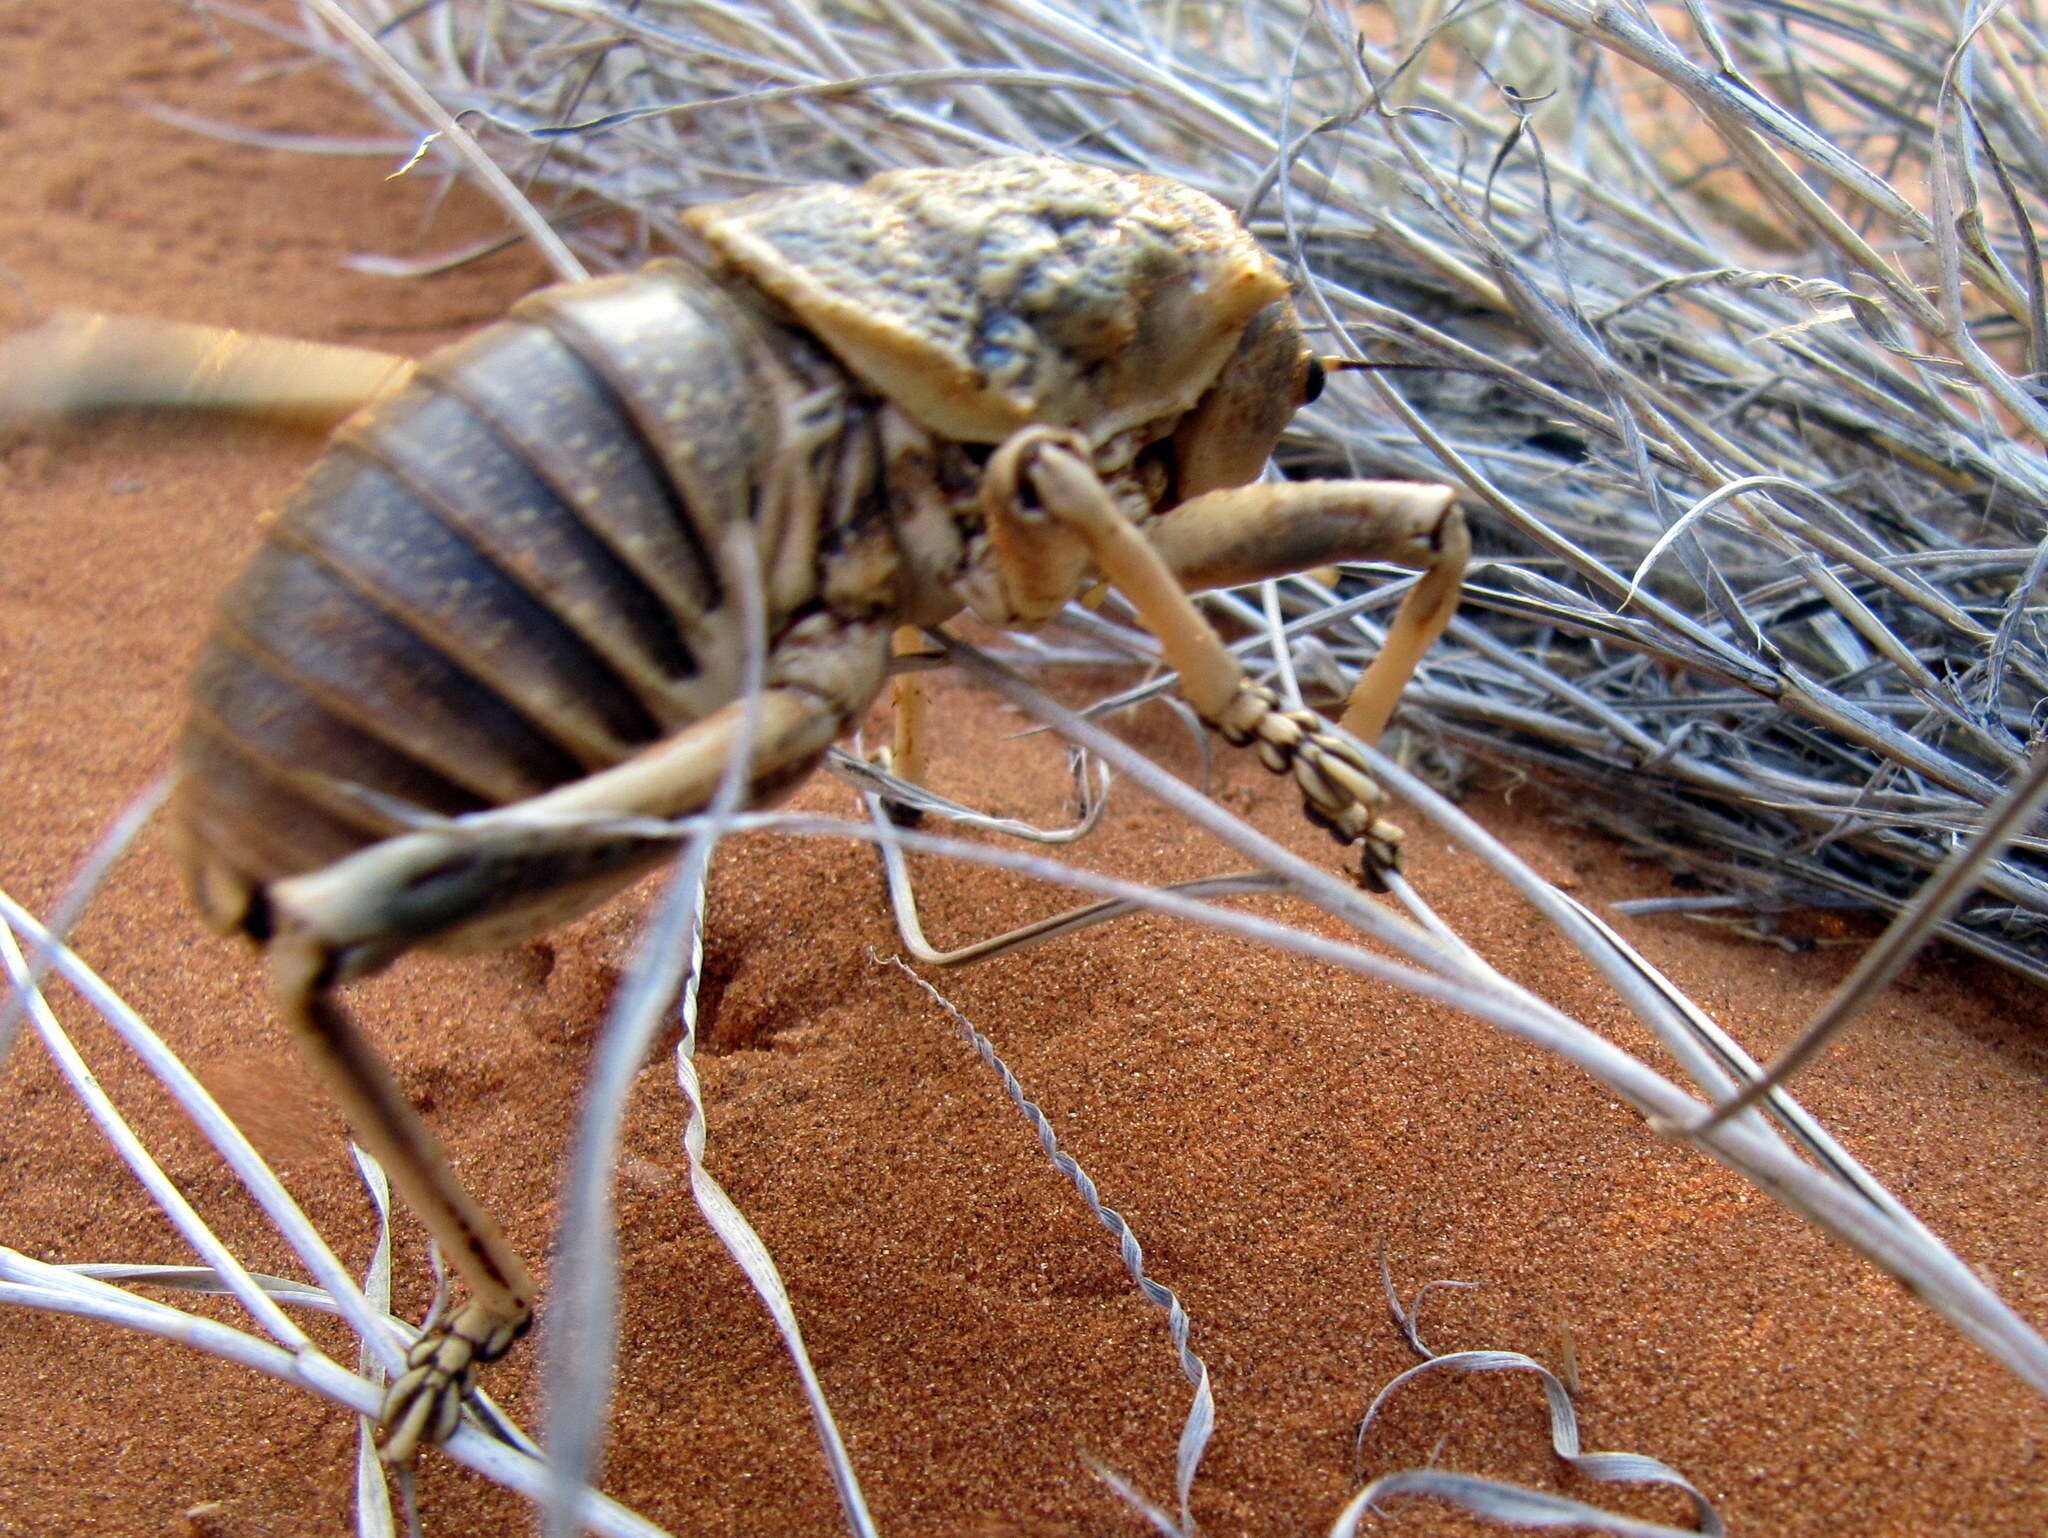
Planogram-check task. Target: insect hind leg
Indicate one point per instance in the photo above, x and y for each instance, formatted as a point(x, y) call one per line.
point(78, 362)
point(488, 880)
point(422, 1405)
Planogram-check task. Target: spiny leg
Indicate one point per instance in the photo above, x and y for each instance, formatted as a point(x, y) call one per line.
point(490, 880)
point(1337, 788)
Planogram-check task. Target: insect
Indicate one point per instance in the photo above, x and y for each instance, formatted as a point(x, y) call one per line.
point(498, 625)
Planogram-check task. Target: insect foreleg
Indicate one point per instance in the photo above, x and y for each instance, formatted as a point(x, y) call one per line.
point(1250, 533)
point(1056, 486)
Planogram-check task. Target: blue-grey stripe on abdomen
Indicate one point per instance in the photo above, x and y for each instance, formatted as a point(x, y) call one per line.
point(494, 582)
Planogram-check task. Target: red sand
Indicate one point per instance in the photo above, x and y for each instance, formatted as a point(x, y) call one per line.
point(1266, 1129)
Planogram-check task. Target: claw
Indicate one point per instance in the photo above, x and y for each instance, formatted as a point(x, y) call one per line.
point(425, 1405)
point(901, 813)
point(1382, 853)
point(1338, 791)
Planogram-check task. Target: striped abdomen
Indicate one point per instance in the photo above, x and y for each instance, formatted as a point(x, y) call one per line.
point(502, 578)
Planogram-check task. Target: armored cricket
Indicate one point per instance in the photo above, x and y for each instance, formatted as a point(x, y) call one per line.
point(496, 621)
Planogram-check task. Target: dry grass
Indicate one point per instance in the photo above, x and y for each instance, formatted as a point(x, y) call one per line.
point(1727, 320)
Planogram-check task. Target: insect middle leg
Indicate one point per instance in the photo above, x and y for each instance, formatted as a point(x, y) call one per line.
point(490, 880)
point(909, 756)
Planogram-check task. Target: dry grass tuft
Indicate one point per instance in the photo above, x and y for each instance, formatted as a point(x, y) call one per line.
point(1729, 319)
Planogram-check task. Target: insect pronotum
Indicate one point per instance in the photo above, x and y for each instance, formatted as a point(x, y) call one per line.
point(497, 617)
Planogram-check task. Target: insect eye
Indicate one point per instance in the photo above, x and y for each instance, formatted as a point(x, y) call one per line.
point(1312, 380)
